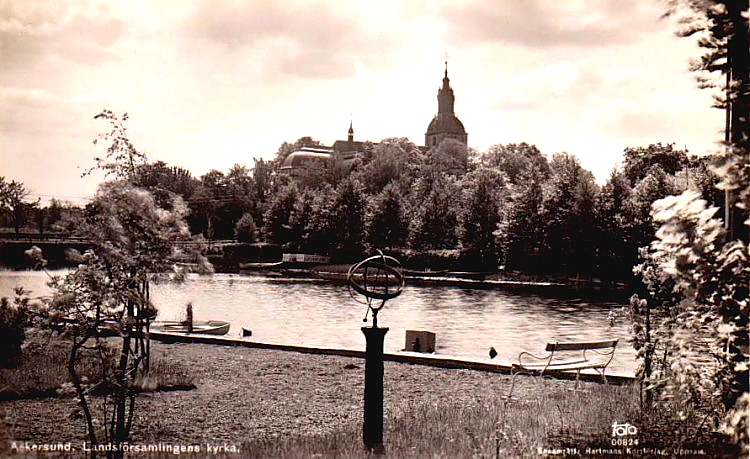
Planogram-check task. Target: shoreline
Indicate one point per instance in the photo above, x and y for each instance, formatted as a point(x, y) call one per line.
point(412, 358)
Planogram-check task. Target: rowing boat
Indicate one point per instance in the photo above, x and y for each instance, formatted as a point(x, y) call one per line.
point(210, 327)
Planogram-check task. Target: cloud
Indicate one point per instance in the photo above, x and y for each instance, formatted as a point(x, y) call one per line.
point(77, 32)
point(562, 84)
point(548, 24)
point(27, 97)
point(296, 38)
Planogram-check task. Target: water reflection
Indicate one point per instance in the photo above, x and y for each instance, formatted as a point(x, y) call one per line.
point(313, 312)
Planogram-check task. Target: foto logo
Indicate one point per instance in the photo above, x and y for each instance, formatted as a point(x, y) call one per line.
point(623, 430)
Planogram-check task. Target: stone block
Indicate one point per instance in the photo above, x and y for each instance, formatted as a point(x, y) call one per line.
point(420, 341)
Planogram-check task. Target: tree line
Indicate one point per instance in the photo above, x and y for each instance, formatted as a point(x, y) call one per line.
point(510, 205)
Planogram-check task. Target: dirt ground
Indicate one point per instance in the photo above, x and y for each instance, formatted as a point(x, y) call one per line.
point(248, 394)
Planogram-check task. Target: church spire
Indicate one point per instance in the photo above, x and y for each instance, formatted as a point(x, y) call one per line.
point(445, 94)
point(445, 125)
point(446, 81)
point(351, 131)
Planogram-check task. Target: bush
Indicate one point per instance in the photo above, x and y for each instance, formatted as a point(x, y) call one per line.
point(13, 322)
point(245, 229)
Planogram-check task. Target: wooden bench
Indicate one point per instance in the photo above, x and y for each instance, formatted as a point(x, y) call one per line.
point(566, 357)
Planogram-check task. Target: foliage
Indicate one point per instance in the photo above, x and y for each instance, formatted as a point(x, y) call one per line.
point(13, 202)
point(14, 319)
point(386, 224)
point(162, 180)
point(276, 228)
point(389, 162)
point(449, 157)
point(708, 320)
point(703, 326)
point(347, 218)
point(245, 229)
point(122, 159)
point(481, 215)
point(638, 161)
point(220, 200)
point(311, 220)
point(132, 238)
point(262, 180)
point(616, 251)
point(133, 242)
point(521, 231)
point(721, 27)
point(517, 160)
point(567, 210)
point(436, 219)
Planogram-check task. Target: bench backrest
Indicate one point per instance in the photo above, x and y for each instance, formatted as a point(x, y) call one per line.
point(581, 345)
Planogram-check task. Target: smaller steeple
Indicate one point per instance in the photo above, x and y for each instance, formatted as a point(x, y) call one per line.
point(351, 132)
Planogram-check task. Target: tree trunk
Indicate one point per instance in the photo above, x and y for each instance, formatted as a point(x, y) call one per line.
point(79, 391)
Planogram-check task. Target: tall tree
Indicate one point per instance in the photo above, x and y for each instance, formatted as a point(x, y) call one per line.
point(705, 270)
point(449, 157)
point(122, 158)
point(348, 218)
point(616, 251)
point(386, 223)
point(132, 242)
point(722, 30)
point(276, 221)
point(481, 216)
point(162, 180)
point(639, 160)
point(514, 159)
point(13, 202)
point(521, 231)
point(435, 221)
point(569, 198)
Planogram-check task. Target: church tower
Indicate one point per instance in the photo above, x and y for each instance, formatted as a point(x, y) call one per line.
point(445, 125)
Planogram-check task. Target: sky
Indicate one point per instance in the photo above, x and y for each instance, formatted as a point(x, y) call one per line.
point(211, 83)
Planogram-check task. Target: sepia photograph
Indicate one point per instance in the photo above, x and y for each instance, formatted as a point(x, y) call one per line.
point(397, 228)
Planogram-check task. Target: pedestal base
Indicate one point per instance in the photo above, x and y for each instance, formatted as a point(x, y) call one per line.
point(372, 429)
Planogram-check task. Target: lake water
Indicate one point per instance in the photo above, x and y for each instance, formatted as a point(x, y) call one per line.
point(317, 313)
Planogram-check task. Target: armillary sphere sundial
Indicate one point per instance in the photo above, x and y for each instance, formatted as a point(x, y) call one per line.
point(377, 279)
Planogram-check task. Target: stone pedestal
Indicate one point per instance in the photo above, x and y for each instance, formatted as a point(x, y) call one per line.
point(372, 429)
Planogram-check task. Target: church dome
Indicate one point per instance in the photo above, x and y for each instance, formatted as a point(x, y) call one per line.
point(446, 124)
point(305, 159)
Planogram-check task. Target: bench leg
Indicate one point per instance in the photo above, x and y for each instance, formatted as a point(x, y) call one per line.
point(512, 383)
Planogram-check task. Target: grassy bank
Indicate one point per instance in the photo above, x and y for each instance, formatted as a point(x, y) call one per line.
point(43, 371)
point(484, 426)
point(269, 403)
